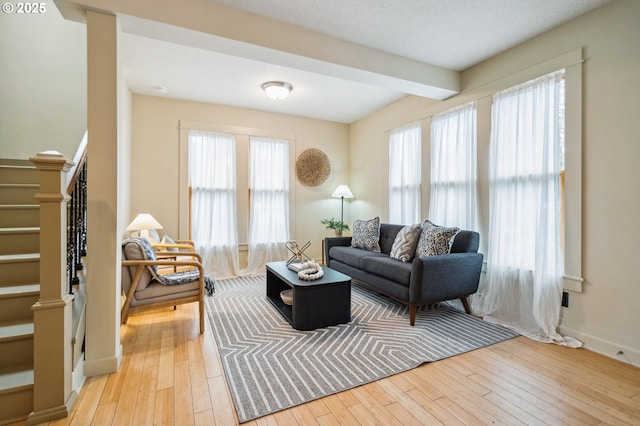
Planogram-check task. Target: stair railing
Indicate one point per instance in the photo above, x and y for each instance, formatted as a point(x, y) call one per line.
point(77, 216)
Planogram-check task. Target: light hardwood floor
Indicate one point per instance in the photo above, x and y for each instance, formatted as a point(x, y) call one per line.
point(172, 375)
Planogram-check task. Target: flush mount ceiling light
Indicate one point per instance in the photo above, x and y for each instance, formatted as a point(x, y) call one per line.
point(277, 89)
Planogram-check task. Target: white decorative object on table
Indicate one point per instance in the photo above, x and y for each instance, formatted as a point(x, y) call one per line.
point(297, 252)
point(312, 271)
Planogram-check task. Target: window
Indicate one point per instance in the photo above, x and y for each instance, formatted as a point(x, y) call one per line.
point(212, 184)
point(269, 201)
point(526, 160)
point(525, 259)
point(405, 174)
point(453, 200)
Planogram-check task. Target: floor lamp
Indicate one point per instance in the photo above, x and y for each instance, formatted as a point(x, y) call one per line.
point(342, 192)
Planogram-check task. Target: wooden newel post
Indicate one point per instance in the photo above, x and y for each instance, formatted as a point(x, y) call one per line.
point(53, 397)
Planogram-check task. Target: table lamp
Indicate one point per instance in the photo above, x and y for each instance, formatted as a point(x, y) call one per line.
point(143, 222)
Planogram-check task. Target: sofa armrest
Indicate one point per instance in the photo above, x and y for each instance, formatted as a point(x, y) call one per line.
point(445, 277)
point(334, 242)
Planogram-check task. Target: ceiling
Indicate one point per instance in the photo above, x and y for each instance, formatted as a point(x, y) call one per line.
point(446, 35)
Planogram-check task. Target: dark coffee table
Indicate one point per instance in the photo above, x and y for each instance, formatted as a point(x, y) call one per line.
point(316, 304)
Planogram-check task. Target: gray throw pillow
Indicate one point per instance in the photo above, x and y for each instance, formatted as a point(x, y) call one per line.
point(168, 240)
point(435, 240)
point(366, 234)
point(404, 246)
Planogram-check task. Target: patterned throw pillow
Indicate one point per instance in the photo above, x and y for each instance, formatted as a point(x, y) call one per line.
point(435, 240)
point(366, 234)
point(404, 246)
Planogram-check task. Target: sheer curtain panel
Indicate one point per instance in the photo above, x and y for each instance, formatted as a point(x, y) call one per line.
point(212, 181)
point(453, 200)
point(269, 202)
point(405, 174)
point(525, 261)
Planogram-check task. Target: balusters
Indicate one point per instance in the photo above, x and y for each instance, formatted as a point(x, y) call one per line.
point(77, 228)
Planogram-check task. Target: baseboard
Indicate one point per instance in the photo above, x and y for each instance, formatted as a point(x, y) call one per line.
point(96, 367)
point(604, 347)
point(77, 376)
point(53, 413)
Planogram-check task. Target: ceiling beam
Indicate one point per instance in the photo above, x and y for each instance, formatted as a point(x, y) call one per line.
point(211, 26)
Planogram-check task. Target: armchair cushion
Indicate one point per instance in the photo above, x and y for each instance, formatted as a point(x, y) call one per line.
point(134, 251)
point(141, 249)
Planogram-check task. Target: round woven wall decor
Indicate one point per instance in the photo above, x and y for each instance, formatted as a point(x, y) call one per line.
point(313, 167)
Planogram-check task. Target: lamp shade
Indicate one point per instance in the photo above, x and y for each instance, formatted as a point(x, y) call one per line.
point(342, 191)
point(144, 221)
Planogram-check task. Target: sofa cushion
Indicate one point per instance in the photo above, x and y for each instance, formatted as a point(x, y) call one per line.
point(404, 245)
point(388, 233)
point(366, 234)
point(435, 240)
point(387, 267)
point(352, 256)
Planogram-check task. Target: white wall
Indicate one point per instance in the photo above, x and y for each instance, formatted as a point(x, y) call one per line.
point(604, 315)
point(155, 166)
point(43, 81)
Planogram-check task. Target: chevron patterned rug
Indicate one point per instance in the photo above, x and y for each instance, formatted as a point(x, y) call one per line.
point(269, 366)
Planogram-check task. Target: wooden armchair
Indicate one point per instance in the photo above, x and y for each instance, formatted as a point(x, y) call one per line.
point(174, 250)
point(146, 288)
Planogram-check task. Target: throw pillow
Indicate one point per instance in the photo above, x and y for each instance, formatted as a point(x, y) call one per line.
point(168, 240)
point(404, 246)
point(366, 234)
point(435, 240)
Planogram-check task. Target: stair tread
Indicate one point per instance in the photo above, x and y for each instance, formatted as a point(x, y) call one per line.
point(17, 166)
point(19, 206)
point(16, 378)
point(16, 330)
point(20, 230)
point(19, 290)
point(24, 257)
point(19, 185)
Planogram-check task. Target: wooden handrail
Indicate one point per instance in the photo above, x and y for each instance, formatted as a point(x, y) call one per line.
point(78, 159)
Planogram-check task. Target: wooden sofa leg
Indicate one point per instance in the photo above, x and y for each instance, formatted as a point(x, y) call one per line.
point(412, 314)
point(465, 303)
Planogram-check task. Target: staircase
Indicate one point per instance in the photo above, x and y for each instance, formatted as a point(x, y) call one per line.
point(19, 285)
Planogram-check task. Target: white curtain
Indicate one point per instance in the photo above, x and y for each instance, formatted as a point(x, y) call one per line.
point(405, 174)
point(453, 200)
point(269, 202)
point(525, 262)
point(212, 179)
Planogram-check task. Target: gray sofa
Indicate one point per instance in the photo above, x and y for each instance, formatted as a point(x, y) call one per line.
point(425, 280)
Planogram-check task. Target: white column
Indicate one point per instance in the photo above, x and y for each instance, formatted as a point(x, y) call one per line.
point(103, 351)
point(52, 394)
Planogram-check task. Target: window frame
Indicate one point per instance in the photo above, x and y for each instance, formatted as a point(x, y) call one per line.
point(242, 135)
